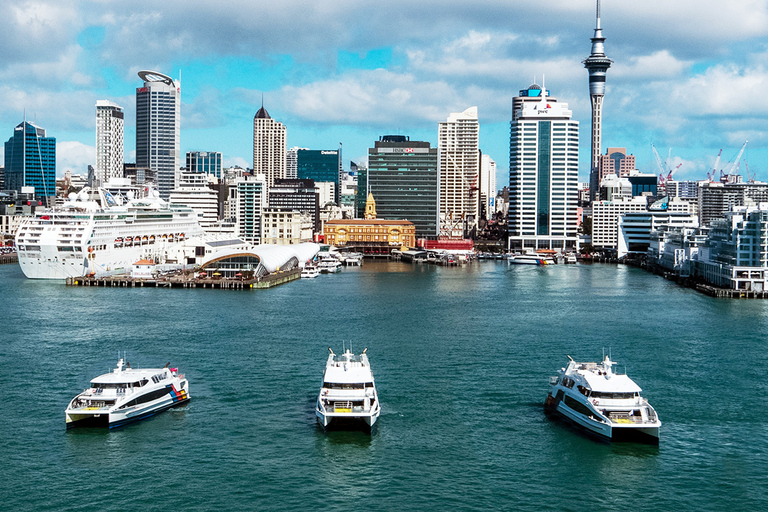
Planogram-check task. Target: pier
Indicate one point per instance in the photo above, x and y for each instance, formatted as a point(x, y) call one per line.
point(183, 281)
point(9, 258)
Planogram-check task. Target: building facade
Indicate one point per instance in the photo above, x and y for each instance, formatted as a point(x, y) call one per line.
point(299, 195)
point(195, 193)
point(543, 175)
point(30, 160)
point(250, 196)
point(605, 219)
point(269, 147)
point(283, 226)
point(206, 162)
point(370, 236)
point(321, 166)
point(402, 176)
point(458, 162)
point(615, 161)
point(110, 146)
point(488, 188)
point(158, 128)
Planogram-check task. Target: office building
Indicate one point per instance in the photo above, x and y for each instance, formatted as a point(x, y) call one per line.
point(320, 166)
point(615, 161)
point(158, 124)
point(488, 184)
point(269, 147)
point(30, 161)
point(543, 174)
point(292, 163)
point(362, 189)
point(110, 147)
point(283, 226)
point(458, 162)
point(717, 198)
point(206, 162)
point(643, 184)
point(193, 191)
point(299, 195)
point(635, 228)
point(402, 176)
point(597, 65)
point(249, 197)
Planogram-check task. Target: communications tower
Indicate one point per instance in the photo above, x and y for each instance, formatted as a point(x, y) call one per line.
point(597, 64)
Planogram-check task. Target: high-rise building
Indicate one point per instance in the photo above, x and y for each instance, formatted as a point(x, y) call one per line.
point(269, 153)
point(207, 162)
point(458, 161)
point(295, 194)
point(362, 189)
point(402, 176)
point(158, 123)
point(597, 64)
point(30, 160)
point(110, 147)
point(488, 184)
point(292, 162)
point(543, 174)
point(321, 166)
point(615, 161)
point(250, 200)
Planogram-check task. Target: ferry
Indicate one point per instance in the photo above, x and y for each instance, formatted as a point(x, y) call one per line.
point(309, 271)
point(126, 395)
point(530, 259)
point(96, 233)
point(348, 396)
point(604, 403)
point(329, 265)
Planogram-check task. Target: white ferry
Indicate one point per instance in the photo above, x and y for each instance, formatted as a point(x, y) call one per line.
point(126, 395)
point(530, 259)
point(329, 265)
point(604, 403)
point(309, 271)
point(348, 396)
point(95, 233)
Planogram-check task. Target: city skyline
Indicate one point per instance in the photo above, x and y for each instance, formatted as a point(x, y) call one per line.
point(687, 75)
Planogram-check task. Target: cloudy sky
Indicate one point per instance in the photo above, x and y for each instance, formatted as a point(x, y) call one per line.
point(691, 75)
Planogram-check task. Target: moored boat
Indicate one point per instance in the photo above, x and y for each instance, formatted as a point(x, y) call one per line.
point(309, 271)
point(126, 395)
point(348, 395)
point(602, 402)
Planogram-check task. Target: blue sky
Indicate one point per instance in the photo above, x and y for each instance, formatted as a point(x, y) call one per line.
point(691, 75)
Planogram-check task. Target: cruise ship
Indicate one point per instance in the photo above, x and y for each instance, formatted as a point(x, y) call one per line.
point(126, 395)
point(96, 233)
point(604, 403)
point(348, 397)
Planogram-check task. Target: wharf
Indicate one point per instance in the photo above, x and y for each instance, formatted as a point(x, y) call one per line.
point(9, 258)
point(267, 281)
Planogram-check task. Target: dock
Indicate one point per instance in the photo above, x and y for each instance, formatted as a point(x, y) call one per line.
point(9, 258)
point(183, 281)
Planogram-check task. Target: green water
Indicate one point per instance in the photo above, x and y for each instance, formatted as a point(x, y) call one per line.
point(461, 358)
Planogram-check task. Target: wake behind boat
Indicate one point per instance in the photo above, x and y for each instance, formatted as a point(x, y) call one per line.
point(348, 396)
point(607, 404)
point(126, 395)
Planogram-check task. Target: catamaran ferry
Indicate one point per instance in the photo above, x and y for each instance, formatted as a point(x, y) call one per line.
point(96, 233)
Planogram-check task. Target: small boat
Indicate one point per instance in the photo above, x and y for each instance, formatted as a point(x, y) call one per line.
point(529, 259)
point(570, 258)
point(602, 402)
point(348, 396)
point(309, 271)
point(126, 395)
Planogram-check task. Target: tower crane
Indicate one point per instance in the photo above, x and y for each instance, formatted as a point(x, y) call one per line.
point(735, 165)
point(711, 175)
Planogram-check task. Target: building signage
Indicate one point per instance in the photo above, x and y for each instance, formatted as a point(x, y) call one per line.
point(403, 150)
point(329, 152)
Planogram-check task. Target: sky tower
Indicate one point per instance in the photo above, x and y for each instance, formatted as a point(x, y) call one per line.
point(597, 64)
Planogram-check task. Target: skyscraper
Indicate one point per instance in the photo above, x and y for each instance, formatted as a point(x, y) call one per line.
point(488, 184)
point(597, 64)
point(402, 176)
point(322, 166)
point(543, 174)
point(615, 161)
point(109, 140)
point(30, 160)
point(158, 122)
point(458, 160)
point(269, 154)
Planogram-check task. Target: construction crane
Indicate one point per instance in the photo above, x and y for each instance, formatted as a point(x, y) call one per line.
point(735, 165)
point(711, 175)
point(664, 169)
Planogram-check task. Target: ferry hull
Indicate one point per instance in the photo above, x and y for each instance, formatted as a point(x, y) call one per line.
point(117, 419)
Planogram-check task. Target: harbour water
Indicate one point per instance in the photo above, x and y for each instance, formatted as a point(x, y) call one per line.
point(461, 356)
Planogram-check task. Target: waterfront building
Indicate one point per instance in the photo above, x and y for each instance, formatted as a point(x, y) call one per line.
point(402, 175)
point(30, 161)
point(299, 195)
point(543, 174)
point(158, 128)
point(321, 166)
point(250, 198)
point(110, 146)
point(488, 184)
point(283, 226)
point(370, 236)
point(597, 65)
point(458, 163)
point(269, 147)
point(635, 227)
point(736, 254)
point(674, 248)
point(615, 161)
point(605, 219)
point(206, 162)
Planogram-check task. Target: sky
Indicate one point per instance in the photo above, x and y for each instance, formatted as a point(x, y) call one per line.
point(688, 76)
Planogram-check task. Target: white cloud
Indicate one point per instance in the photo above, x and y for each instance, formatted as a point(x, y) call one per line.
point(74, 156)
point(235, 161)
point(660, 64)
